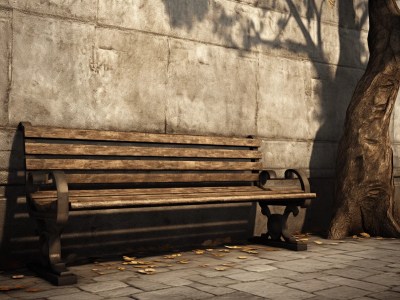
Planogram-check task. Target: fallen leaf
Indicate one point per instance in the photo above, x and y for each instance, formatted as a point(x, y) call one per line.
point(128, 258)
point(199, 252)
point(233, 247)
point(355, 237)
point(250, 251)
point(220, 268)
point(147, 271)
point(121, 268)
point(228, 265)
point(364, 234)
point(318, 242)
point(20, 276)
point(242, 257)
point(185, 261)
point(379, 238)
point(218, 254)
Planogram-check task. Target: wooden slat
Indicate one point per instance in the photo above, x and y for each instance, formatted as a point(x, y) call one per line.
point(85, 164)
point(111, 201)
point(147, 191)
point(98, 135)
point(158, 178)
point(75, 149)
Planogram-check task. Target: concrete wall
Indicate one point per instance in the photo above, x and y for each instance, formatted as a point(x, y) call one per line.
point(282, 70)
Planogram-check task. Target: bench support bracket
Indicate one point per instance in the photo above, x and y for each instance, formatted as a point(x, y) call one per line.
point(50, 225)
point(277, 231)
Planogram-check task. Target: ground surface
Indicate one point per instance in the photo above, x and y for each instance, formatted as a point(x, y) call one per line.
point(363, 268)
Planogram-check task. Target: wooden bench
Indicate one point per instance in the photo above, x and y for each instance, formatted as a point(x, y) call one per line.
point(75, 169)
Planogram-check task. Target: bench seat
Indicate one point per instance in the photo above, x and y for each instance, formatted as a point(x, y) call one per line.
point(113, 198)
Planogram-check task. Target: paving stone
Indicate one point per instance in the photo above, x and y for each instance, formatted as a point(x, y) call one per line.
point(217, 281)
point(80, 296)
point(54, 291)
point(372, 287)
point(342, 292)
point(238, 296)
point(366, 263)
point(312, 285)
point(146, 285)
point(338, 258)
point(214, 290)
point(103, 286)
point(126, 291)
point(270, 290)
point(386, 295)
point(120, 276)
point(351, 272)
point(388, 279)
point(259, 268)
point(247, 276)
point(305, 265)
point(176, 293)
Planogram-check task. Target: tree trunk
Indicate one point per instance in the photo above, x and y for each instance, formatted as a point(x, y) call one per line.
point(364, 168)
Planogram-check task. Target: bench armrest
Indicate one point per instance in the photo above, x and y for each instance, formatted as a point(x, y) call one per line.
point(305, 184)
point(59, 180)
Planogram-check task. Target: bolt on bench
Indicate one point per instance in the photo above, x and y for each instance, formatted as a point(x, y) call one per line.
point(75, 169)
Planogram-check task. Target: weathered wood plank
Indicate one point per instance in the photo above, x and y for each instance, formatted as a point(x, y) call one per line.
point(99, 135)
point(85, 164)
point(161, 178)
point(79, 149)
point(160, 191)
point(276, 199)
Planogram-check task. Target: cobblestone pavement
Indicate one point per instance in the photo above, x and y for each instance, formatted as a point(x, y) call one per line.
point(362, 269)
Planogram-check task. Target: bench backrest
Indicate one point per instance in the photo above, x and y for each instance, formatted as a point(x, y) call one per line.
point(98, 157)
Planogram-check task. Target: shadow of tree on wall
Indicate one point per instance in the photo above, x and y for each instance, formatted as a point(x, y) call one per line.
point(331, 84)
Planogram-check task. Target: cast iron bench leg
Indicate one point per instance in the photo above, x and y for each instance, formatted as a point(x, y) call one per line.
point(277, 231)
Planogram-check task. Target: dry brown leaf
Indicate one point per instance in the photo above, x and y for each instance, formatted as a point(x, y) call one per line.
point(121, 268)
point(228, 265)
point(233, 247)
point(242, 257)
point(250, 251)
point(220, 268)
point(19, 276)
point(184, 261)
point(199, 252)
point(128, 258)
point(318, 242)
point(218, 254)
point(355, 237)
point(147, 271)
point(364, 234)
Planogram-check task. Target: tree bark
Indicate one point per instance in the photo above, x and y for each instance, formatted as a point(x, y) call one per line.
point(364, 167)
